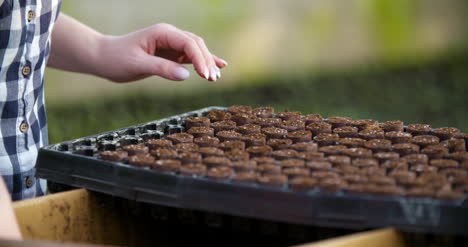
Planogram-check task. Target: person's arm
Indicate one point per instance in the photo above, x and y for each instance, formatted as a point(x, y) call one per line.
point(9, 228)
point(157, 50)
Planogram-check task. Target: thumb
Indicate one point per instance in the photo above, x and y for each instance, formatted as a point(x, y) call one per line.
point(165, 68)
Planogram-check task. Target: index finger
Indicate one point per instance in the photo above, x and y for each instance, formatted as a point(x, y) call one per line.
point(169, 37)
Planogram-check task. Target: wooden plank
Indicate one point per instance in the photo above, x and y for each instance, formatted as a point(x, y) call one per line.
point(382, 238)
point(33, 243)
point(72, 216)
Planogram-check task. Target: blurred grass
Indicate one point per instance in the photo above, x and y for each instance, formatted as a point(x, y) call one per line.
point(435, 93)
point(394, 22)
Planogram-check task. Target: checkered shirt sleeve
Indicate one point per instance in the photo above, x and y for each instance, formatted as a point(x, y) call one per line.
point(25, 30)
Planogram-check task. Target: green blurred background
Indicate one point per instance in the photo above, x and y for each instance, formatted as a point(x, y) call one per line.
point(379, 59)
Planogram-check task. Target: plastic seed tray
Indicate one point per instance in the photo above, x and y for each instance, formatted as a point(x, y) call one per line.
point(78, 163)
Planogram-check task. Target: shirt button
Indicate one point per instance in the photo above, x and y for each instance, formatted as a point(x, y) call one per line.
point(23, 127)
point(26, 70)
point(29, 182)
point(31, 15)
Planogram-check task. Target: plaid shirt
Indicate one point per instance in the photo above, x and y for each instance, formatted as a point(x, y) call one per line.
point(25, 29)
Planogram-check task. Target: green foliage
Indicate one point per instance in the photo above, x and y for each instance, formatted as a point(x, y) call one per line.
point(434, 93)
point(394, 25)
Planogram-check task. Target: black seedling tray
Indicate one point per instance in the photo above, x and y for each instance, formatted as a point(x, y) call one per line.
point(75, 163)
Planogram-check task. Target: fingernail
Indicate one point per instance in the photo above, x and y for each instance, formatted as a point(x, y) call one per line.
point(223, 61)
point(180, 73)
point(213, 73)
point(218, 72)
point(206, 74)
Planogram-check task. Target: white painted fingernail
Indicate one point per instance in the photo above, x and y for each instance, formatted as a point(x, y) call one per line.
point(218, 72)
point(180, 73)
point(206, 73)
point(213, 73)
point(223, 61)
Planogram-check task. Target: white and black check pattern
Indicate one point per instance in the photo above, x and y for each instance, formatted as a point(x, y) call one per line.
point(25, 29)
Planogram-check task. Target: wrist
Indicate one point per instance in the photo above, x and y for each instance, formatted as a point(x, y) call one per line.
point(99, 55)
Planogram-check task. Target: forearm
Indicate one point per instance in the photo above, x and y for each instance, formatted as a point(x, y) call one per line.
point(8, 226)
point(156, 50)
point(75, 46)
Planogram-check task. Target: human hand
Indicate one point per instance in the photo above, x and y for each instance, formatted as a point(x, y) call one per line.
point(157, 50)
